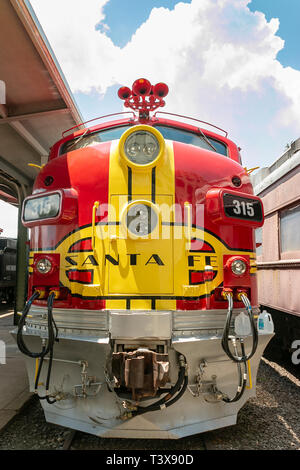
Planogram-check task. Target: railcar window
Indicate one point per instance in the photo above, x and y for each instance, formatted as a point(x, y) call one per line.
point(186, 137)
point(258, 241)
point(289, 229)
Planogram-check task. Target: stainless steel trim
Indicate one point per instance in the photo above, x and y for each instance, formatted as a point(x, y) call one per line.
point(202, 319)
point(139, 324)
point(130, 324)
point(71, 318)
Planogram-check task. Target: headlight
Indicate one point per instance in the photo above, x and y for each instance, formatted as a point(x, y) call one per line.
point(238, 267)
point(141, 147)
point(43, 266)
point(44, 207)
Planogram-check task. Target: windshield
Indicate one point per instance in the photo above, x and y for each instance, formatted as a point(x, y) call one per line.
point(170, 133)
point(89, 140)
point(179, 135)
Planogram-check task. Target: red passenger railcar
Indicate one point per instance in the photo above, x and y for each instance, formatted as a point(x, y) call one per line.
point(278, 249)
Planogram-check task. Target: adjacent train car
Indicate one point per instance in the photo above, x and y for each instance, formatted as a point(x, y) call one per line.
point(8, 255)
point(142, 311)
point(278, 248)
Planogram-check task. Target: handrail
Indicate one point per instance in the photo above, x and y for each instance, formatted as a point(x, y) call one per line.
point(95, 207)
point(193, 119)
point(95, 119)
point(188, 225)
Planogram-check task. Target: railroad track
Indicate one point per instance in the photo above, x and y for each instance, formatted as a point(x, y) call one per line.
point(69, 440)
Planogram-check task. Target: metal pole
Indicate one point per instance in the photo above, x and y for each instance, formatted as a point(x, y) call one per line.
point(22, 262)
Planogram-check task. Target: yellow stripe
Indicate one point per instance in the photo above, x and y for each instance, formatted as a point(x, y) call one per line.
point(126, 185)
point(249, 387)
point(36, 368)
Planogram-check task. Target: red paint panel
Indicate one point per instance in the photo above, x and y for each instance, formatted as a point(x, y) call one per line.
point(81, 170)
point(200, 245)
point(200, 170)
point(196, 172)
point(82, 245)
point(197, 277)
point(76, 275)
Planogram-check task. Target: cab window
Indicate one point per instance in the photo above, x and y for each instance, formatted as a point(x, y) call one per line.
point(191, 138)
point(95, 138)
point(170, 133)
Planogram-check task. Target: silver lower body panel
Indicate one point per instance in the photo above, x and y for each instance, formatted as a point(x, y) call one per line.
point(85, 400)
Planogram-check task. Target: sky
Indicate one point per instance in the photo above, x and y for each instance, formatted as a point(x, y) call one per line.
point(235, 63)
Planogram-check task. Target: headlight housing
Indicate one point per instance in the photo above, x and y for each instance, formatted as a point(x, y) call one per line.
point(141, 146)
point(141, 220)
point(42, 207)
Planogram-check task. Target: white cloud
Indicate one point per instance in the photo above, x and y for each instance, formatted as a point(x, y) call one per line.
point(218, 58)
point(85, 54)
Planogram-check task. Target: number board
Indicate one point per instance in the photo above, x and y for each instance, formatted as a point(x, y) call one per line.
point(242, 207)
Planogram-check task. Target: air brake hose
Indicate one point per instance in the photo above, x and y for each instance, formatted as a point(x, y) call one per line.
point(225, 344)
point(45, 349)
point(51, 338)
point(170, 398)
point(225, 336)
point(20, 342)
point(242, 379)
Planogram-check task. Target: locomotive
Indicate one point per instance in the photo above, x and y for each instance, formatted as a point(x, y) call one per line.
point(142, 315)
point(8, 255)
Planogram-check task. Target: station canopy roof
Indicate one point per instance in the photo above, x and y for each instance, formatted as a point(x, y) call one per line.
point(38, 104)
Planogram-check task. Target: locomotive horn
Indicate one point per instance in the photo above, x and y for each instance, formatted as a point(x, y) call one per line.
point(160, 90)
point(141, 87)
point(124, 92)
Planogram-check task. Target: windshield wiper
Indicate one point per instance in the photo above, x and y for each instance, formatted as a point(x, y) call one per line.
point(78, 139)
point(206, 140)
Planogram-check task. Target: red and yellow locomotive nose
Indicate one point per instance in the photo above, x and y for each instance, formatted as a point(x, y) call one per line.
point(141, 246)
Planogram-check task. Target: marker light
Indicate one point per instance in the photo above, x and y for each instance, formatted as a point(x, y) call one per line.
point(238, 267)
point(43, 266)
